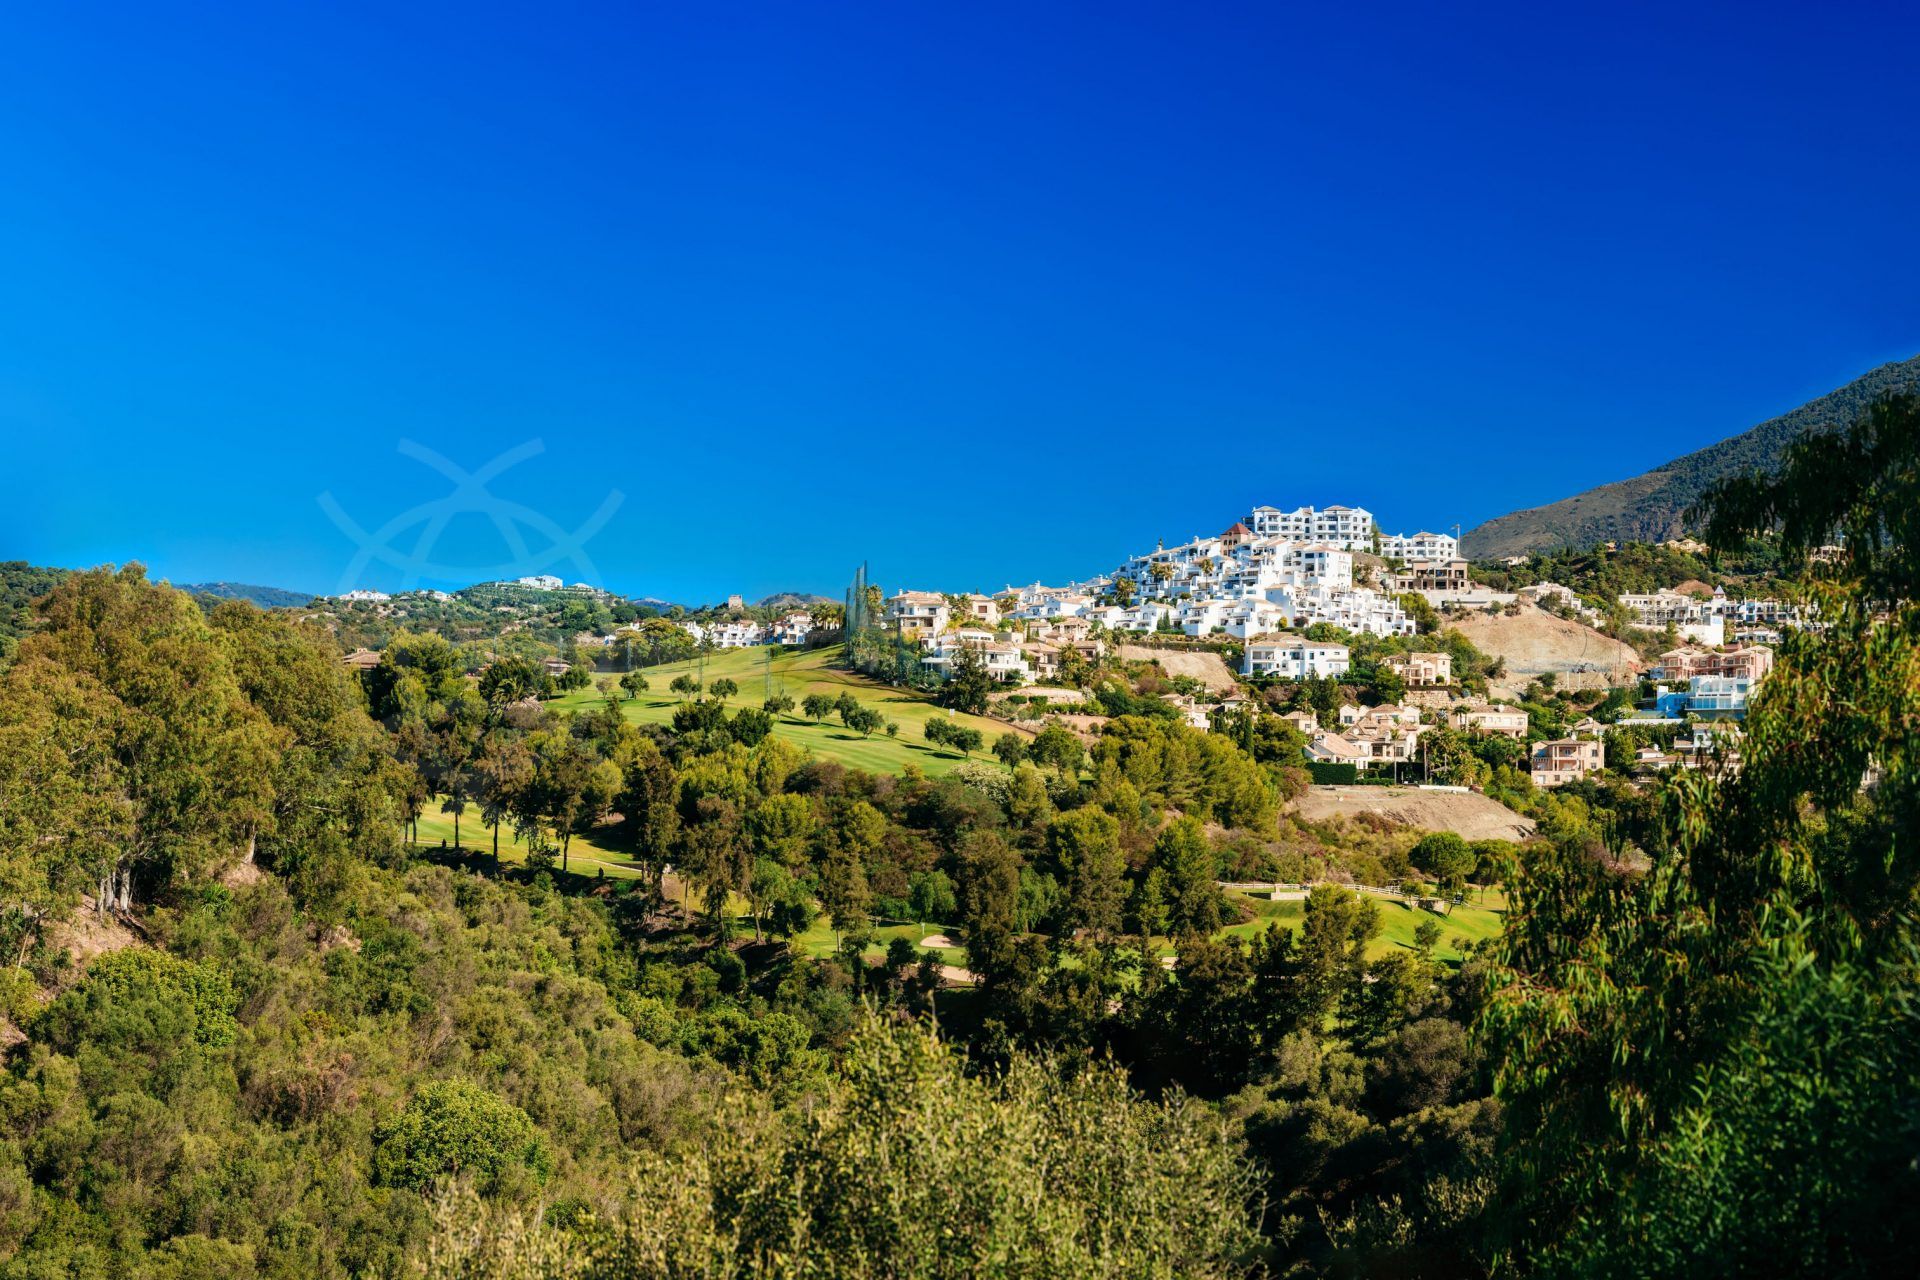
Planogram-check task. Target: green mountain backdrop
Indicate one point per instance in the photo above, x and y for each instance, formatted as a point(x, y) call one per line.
point(1649, 507)
point(265, 597)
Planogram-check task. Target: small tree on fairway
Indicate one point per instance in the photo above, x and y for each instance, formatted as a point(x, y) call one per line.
point(723, 687)
point(685, 686)
point(778, 705)
point(1447, 858)
point(634, 683)
point(816, 706)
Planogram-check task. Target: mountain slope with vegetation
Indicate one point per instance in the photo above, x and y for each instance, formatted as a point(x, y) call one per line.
point(1651, 507)
point(20, 585)
point(265, 597)
point(1679, 1040)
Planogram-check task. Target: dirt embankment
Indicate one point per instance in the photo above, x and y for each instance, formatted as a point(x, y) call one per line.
point(86, 933)
point(1535, 643)
point(1207, 667)
point(1467, 814)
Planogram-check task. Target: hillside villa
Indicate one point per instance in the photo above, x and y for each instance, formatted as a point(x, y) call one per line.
point(1501, 720)
point(1750, 663)
point(1715, 684)
point(1422, 670)
point(919, 613)
point(1559, 761)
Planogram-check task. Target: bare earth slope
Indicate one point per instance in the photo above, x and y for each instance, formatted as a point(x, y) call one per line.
point(1467, 814)
point(1208, 668)
point(1535, 643)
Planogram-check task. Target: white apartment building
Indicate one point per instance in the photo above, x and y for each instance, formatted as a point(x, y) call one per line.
point(1295, 659)
point(1420, 546)
point(1695, 619)
point(727, 635)
point(1350, 528)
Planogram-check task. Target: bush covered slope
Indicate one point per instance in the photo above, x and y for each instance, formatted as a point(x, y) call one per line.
point(1649, 507)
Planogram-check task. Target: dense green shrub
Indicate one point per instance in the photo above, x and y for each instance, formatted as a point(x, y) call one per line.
point(452, 1127)
point(910, 1167)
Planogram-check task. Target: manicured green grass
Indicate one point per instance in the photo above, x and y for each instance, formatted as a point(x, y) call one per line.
point(586, 855)
point(1468, 924)
point(798, 673)
point(819, 941)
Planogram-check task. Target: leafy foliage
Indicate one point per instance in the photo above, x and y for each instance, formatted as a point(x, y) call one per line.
point(912, 1167)
point(452, 1128)
point(1705, 1060)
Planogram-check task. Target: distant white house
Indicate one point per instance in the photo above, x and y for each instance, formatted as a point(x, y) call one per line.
point(793, 628)
point(727, 635)
point(1697, 620)
point(1503, 720)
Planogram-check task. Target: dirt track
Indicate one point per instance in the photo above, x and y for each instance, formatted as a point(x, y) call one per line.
point(1203, 665)
point(1466, 814)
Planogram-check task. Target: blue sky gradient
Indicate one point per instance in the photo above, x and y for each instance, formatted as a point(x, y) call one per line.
point(979, 293)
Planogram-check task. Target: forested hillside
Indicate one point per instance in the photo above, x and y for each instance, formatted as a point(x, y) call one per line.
point(1651, 507)
point(1001, 1022)
point(265, 597)
point(288, 1034)
point(20, 585)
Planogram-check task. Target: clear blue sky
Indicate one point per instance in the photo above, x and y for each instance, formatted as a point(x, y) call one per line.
point(977, 292)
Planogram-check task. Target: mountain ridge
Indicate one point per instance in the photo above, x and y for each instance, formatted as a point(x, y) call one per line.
point(1650, 507)
point(252, 593)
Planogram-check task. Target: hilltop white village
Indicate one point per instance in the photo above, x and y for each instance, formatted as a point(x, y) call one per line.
point(1286, 591)
point(1274, 576)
